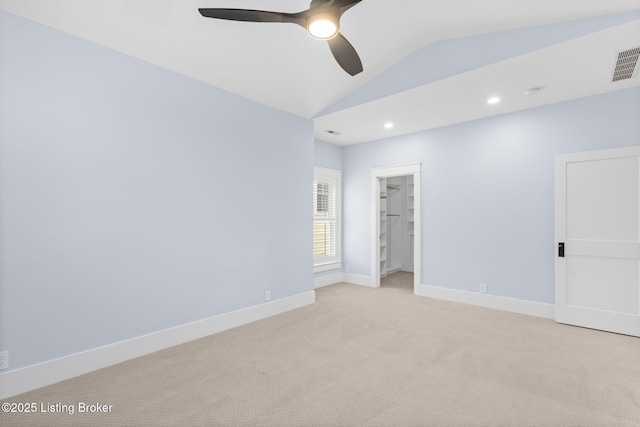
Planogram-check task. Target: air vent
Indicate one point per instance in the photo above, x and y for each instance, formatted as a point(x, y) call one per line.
point(333, 132)
point(626, 64)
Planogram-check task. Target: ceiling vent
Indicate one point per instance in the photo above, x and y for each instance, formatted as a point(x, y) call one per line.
point(626, 64)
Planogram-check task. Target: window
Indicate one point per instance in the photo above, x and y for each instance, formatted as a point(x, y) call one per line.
point(326, 219)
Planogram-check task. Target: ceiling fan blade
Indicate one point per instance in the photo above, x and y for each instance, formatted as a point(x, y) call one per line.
point(249, 15)
point(343, 5)
point(340, 6)
point(345, 54)
point(315, 3)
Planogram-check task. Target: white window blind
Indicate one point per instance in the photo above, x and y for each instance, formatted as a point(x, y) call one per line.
point(326, 221)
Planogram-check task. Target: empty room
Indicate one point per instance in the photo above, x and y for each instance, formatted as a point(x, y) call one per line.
point(319, 213)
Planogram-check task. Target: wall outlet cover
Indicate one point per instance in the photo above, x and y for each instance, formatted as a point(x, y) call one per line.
point(483, 288)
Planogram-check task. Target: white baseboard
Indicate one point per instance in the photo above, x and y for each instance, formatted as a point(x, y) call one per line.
point(327, 279)
point(30, 378)
point(331, 279)
point(357, 279)
point(490, 301)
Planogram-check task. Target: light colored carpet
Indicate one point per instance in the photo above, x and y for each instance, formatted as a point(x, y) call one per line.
point(401, 280)
point(368, 357)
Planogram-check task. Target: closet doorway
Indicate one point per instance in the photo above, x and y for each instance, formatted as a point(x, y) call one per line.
point(395, 222)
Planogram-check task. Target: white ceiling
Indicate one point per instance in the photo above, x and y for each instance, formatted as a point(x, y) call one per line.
point(565, 71)
point(281, 66)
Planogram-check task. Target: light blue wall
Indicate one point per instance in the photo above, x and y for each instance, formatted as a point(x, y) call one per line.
point(327, 155)
point(488, 191)
point(133, 199)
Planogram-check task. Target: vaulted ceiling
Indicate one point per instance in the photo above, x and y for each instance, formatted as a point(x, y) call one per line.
point(426, 63)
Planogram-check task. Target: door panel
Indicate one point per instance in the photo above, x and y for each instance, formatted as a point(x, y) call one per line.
point(602, 199)
point(598, 219)
point(598, 283)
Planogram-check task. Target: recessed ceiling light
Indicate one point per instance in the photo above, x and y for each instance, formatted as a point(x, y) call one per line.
point(493, 100)
point(388, 125)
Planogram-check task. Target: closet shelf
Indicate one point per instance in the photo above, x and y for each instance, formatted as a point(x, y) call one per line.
point(393, 214)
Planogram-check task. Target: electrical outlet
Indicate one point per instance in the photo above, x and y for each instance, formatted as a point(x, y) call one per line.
point(267, 295)
point(4, 360)
point(347, 268)
point(483, 288)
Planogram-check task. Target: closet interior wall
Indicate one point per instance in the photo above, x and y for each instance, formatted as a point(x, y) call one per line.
point(396, 224)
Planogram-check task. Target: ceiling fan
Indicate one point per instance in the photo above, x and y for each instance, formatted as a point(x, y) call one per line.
point(321, 20)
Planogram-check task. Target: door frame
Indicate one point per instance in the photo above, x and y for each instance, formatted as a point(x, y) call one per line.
point(387, 172)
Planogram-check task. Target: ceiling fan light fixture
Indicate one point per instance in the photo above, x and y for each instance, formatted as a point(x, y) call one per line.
point(322, 26)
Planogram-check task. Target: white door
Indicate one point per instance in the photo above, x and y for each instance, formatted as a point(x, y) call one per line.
point(598, 240)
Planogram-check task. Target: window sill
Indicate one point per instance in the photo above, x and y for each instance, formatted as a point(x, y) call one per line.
point(326, 267)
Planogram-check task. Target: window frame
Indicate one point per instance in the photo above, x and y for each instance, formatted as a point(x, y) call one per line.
point(334, 262)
